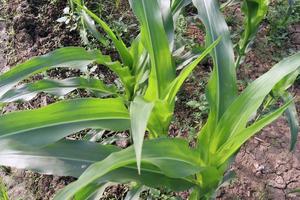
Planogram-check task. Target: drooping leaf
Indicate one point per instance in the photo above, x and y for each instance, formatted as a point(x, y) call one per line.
point(280, 91)
point(64, 158)
point(168, 160)
point(72, 157)
point(57, 87)
point(140, 111)
point(74, 57)
point(51, 123)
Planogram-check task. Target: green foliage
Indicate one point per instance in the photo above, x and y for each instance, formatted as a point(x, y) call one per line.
point(34, 139)
point(3, 192)
point(255, 11)
point(281, 15)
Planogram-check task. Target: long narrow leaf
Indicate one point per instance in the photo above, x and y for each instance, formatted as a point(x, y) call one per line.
point(240, 111)
point(234, 143)
point(57, 87)
point(49, 124)
point(72, 158)
point(74, 57)
point(293, 119)
point(155, 40)
point(177, 83)
point(254, 11)
point(168, 160)
point(140, 111)
point(221, 89)
point(119, 44)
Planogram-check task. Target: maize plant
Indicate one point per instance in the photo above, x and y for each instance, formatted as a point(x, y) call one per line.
point(35, 139)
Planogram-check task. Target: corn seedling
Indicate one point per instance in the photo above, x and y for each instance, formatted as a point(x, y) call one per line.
point(34, 139)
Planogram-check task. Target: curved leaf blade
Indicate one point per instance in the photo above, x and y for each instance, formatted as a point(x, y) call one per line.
point(235, 142)
point(168, 160)
point(51, 123)
point(177, 83)
point(57, 87)
point(222, 88)
point(63, 158)
point(75, 57)
point(71, 158)
point(239, 112)
point(118, 42)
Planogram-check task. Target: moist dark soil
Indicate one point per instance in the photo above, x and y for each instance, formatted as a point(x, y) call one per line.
point(265, 168)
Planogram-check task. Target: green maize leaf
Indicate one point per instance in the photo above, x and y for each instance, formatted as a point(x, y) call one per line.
point(63, 158)
point(221, 89)
point(177, 83)
point(139, 55)
point(92, 192)
point(235, 142)
point(209, 180)
point(125, 75)
point(280, 88)
point(156, 42)
point(75, 57)
point(177, 162)
point(160, 118)
point(292, 118)
point(239, 112)
point(177, 5)
point(140, 111)
point(119, 44)
point(150, 176)
point(195, 195)
point(51, 123)
point(57, 87)
point(71, 158)
point(90, 25)
point(167, 16)
point(254, 11)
